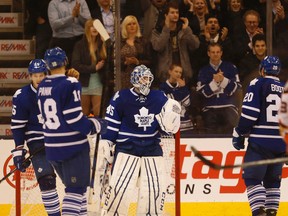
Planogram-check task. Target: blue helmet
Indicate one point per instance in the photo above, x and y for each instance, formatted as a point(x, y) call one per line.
point(142, 78)
point(55, 58)
point(271, 65)
point(37, 66)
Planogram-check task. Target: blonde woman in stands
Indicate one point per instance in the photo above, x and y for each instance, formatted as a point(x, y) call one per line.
point(135, 49)
point(89, 58)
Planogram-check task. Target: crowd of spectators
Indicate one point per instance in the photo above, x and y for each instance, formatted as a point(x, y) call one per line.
point(217, 46)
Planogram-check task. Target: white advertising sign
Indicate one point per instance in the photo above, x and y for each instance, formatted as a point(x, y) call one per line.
point(6, 163)
point(14, 75)
point(199, 183)
point(10, 20)
point(6, 104)
point(15, 47)
point(5, 130)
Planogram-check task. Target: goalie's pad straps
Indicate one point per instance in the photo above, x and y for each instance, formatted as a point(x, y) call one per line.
point(151, 197)
point(122, 186)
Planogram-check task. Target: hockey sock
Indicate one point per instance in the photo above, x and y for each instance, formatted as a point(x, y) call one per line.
point(72, 204)
point(51, 202)
point(83, 210)
point(256, 197)
point(272, 198)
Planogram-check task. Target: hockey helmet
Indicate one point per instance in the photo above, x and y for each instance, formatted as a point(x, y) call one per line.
point(37, 66)
point(142, 78)
point(271, 65)
point(55, 58)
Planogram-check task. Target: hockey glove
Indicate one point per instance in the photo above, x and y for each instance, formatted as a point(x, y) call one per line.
point(18, 159)
point(169, 117)
point(73, 73)
point(238, 140)
point(98, 125)
point(106, 148)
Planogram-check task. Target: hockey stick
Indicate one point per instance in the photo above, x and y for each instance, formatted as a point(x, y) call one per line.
point(25, 163)
point(91, 190)
point(101, 30)
point(91, 185)
point(243, 165)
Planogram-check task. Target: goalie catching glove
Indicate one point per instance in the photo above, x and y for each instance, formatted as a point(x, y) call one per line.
point(238, 140)
point(106, 148)
point(19, 158)
point(169, 117)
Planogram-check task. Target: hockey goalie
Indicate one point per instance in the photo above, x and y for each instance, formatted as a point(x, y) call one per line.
point(136, 118)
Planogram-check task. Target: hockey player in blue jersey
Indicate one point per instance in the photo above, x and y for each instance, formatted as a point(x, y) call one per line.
point(26, 126)
point(175, 87)
point(135, 118)
point(65, 131)
point(259, 119)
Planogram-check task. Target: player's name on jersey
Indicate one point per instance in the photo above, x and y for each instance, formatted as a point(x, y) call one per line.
point(45, 91)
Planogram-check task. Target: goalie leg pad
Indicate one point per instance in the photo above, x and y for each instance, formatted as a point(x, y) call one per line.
point(152, 186)
point(122, 185)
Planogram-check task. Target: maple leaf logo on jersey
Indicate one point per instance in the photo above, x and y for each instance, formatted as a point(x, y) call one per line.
point(144, 119)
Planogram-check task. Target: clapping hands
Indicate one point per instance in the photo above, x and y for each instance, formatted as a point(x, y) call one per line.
point(218, 77)
point(76, 10)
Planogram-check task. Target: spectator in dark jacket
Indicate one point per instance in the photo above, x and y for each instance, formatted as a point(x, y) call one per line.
point(89, 57)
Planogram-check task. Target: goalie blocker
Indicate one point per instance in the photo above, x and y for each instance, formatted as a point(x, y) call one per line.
point(141, 174)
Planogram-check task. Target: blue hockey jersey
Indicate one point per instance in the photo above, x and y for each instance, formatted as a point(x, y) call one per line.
point(25, 118)
point(65, 126)
point(183, 96)
point(259, 115)
point(218, 95)
point(131, 118)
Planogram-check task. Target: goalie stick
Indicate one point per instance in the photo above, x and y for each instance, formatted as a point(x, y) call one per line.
point(26, 162)
point(94, 165)
point(243, 165)
point(101, 30)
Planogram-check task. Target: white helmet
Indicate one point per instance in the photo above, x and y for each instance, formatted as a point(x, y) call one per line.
point(142, 78)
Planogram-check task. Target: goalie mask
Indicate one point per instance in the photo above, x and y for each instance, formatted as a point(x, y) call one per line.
point(271, 65)
point(55, 58)
point(142, 78)
point(37, 66)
